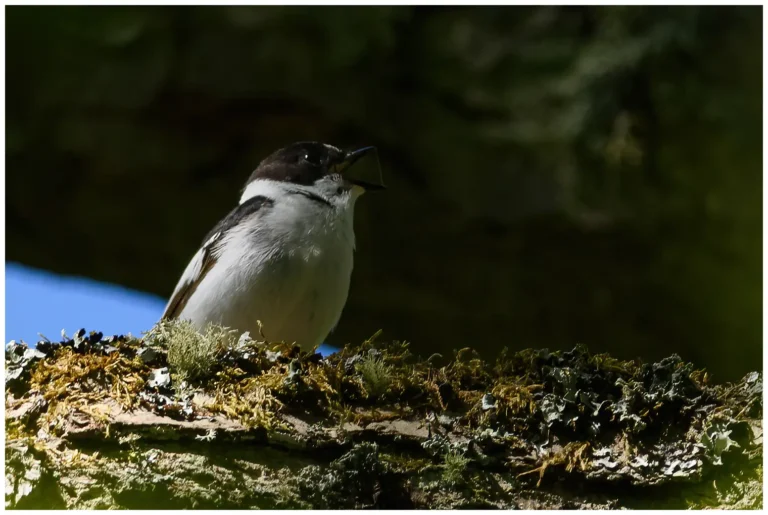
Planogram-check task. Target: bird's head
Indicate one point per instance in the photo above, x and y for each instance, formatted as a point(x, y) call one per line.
point(320, 169)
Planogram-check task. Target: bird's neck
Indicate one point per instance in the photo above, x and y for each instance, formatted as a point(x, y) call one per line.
point(264, 188)
point(299, 210)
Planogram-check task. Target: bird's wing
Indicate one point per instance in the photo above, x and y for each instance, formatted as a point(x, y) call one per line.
point(205, 258)
point(193, 275)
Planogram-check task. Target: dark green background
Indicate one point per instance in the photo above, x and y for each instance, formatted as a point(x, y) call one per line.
point(557, 175)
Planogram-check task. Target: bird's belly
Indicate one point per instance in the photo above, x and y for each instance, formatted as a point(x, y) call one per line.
point(297, 298)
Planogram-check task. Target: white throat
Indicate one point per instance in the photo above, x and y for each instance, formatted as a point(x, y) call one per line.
point(265, 188)
point(296, 212)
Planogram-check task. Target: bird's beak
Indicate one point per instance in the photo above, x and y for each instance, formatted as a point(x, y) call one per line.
point(368, 178)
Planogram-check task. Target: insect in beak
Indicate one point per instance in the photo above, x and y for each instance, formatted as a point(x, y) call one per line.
point(367, 183)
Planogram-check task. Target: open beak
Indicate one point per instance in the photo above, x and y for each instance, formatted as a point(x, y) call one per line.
point(368, 183)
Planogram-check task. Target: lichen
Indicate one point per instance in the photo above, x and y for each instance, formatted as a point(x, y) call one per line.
point(392, 430)
point(191, 353)
point(73, 382)
point(454, 467)
point(249, 401)
point(349, 482)
point(376, 375)
point(572, 457)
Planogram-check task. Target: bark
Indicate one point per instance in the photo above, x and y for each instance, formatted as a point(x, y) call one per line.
point(98, 423)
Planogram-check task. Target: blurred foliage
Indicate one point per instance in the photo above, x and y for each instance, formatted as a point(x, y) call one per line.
point(557, 174)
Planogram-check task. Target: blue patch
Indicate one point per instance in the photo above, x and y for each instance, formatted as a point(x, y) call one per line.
point(327, 350)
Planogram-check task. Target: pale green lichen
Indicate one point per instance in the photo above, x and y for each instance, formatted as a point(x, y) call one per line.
point(454, 468)
point(376, 375)
point(501, 407)
point(191, 353)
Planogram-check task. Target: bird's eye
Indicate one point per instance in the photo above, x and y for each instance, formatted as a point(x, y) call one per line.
point(339, 190)
point(310, 159)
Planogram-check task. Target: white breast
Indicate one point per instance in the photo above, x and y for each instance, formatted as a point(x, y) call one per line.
point(288, 267)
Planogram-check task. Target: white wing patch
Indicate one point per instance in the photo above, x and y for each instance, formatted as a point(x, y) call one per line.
point(200, 264)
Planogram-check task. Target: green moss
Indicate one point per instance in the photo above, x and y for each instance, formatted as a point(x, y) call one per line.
point(454, 468)
point(436, 410)
point(404, 463)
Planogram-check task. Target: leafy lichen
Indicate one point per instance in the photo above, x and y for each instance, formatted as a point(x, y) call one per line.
point(395, 430)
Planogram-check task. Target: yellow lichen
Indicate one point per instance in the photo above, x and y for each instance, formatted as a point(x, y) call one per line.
point(72, 382)
point(572, 456)
point(250, 401)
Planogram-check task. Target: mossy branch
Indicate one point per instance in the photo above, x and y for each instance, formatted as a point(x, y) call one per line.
point(229, 421)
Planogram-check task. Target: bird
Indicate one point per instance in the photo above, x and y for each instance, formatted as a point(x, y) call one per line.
point(279, 264)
